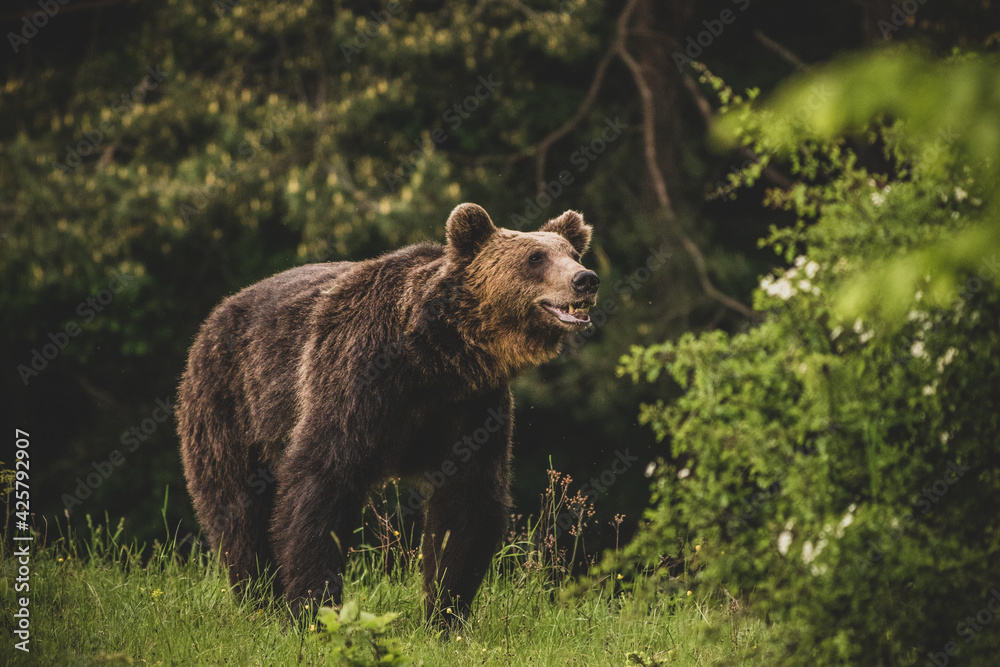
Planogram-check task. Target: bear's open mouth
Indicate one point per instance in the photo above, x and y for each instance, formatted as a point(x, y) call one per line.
point(573, 313)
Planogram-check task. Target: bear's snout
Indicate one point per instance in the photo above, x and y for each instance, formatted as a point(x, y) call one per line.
point(585, 282)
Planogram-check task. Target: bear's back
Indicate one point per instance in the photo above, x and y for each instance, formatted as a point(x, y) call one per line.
point(247, 351)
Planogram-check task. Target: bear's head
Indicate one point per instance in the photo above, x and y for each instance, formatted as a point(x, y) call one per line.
point(528, 288)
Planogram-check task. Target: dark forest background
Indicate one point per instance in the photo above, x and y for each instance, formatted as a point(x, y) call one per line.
point(157, 156)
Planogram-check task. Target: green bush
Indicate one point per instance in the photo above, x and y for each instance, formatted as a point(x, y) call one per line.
point(358, 636)
point(836, 465)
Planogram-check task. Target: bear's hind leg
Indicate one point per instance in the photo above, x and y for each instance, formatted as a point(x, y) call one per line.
point(234, 508)
point(317, 508)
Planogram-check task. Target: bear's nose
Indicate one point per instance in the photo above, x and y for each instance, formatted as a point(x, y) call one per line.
point(586, 282)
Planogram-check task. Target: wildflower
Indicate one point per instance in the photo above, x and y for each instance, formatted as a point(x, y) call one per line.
point(785, 538)
point(458, 638)
point(697, 547)
point(946, 359)
point(878, 198)
point(845, 522)
point(689, 592)
point(917, 349)
point(396, 533)
point(157, 593)
point(619, 575)
point(683, 473)
point(811, 269)
point(781, 289)
point(960, 194)
point(837, 330)
point(930, 390)
point(650, 468)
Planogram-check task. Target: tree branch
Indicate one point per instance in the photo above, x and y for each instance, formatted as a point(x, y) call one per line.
point(659, 183)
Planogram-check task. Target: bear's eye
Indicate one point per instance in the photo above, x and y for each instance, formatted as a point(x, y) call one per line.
point(536, 257)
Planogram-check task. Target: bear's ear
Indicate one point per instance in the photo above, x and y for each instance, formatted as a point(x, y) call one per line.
point(468, 228)
point(570, 226)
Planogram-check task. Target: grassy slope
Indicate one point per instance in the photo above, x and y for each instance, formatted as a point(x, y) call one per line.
point(102, 602)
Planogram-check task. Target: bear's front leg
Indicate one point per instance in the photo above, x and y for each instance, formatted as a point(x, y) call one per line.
point(319, 500)
point(467, 513)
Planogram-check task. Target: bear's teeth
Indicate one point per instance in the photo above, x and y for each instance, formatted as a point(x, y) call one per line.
point(570, 310)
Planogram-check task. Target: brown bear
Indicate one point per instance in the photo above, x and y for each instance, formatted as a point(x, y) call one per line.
point(307, 390)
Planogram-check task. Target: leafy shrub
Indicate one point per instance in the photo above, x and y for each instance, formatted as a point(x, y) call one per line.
point(358, 637)
point(836, 464)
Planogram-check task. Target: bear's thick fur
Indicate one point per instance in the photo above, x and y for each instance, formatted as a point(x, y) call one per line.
point(305, 391)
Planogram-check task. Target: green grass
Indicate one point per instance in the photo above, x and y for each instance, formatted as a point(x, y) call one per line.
point(97, 600)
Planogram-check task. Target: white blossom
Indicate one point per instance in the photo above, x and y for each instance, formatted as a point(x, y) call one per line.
point(781, 288)
point(811, 269)
point(944, 437)
point(858, 326)
point(800, 261)
point(946, 359)
point(784, 541)
point(878, 198)
point(845, 522)
point(917, 349)
point(809, 552)
point(930, 389)
point(650, 468)
point(837, 330)
point(960, 194)
point(683, 473)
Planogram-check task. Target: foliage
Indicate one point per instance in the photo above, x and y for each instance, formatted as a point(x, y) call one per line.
point(834, 464)
point(952, 117)
point(358, 637)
